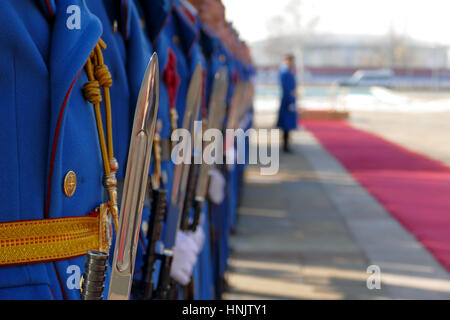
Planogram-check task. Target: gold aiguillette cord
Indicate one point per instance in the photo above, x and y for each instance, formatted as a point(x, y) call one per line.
point(100, 77)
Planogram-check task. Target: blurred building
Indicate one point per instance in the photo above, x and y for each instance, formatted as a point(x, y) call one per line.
point(330, 58)
point(389, 51)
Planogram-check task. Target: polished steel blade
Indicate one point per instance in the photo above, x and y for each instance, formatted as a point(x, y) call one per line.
point(181, 171)
point(236, 99)
point(216, 114)
point(135, 183)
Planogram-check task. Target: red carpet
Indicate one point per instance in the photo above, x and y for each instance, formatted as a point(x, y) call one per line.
point(413, 188)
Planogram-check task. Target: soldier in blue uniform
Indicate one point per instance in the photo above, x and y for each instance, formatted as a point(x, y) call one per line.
point(222, 205)
point(153, 16)
point(287, 117)
point(163, 32)
point(128, 54)
point(174, 37)
point(240, 77)
point(54, 167)
point(188, 25)
point(204, 51)
point(210, 44)
point(246, 122)
point(56, 177)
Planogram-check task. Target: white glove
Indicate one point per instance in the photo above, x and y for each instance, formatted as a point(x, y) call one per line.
point(199, 235)
point(216, 186)
point(184, 258)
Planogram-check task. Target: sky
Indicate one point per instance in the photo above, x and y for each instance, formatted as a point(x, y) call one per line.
point(426, 20)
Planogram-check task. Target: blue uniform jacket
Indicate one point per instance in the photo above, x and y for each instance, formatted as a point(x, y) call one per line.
point(214, 56)
point(127, 57)
point(204, 272)
point(203, 279)
point(59, 133)
point(163, 31)
point(48, 128)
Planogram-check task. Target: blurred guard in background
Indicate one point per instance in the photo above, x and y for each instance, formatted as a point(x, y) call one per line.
point(287, 117)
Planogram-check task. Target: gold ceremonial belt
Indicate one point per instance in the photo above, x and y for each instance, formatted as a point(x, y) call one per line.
point(33, 241)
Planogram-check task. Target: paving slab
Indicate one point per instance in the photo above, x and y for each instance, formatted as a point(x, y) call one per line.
point(405, 264)
point(290, 238)
point(311, 231)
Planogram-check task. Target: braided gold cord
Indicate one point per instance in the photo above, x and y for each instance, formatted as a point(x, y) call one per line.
point(100, 77)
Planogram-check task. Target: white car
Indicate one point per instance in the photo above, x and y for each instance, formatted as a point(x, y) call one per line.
point(370, 78)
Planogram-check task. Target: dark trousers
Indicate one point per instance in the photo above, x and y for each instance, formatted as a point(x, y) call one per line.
point(285, 140)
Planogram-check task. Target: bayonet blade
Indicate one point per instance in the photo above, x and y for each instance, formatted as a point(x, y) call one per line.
point(216, 114)
point(135, 183)
point(181, 171)
point(233, 113)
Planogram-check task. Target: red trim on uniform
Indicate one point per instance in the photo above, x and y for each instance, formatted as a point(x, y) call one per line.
point(189, 14)
point(235, 77)
point(55, 143)
point(171, 78)
point(51, 292)
point(49, 8)
point(125, 19)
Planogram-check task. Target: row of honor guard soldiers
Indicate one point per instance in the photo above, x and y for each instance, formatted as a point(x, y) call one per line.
point(72, 74)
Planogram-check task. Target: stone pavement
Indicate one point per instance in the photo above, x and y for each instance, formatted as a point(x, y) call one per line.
point(311, 231)
point(427, 132)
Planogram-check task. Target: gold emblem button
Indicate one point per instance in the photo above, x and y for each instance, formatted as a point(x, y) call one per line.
point(175, 39)
point(70, 183)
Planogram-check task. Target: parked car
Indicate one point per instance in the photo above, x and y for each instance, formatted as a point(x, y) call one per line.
point(370, 78)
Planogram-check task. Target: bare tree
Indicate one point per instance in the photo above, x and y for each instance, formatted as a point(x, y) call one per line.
point(399, 51)
point(287, 33)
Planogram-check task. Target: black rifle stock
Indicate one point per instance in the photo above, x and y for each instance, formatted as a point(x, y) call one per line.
point(188, 290)
point(158, 211)
point(166, 284)
point(189, 200)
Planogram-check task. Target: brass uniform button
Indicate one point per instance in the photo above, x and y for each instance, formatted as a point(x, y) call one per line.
point(115, 26)
point(142, 23)
point(70, 183)
point(176, 39)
